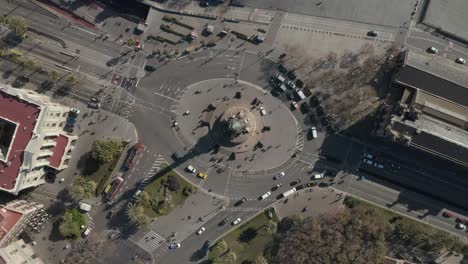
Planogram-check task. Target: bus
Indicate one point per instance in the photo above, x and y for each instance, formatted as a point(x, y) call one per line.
point(131, 157)
point(115, 186)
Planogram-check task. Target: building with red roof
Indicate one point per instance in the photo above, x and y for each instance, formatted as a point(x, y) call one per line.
point(32, 138)
point(14, 217)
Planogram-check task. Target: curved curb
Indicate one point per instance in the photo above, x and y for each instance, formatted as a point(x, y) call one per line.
point(271, 170)
point(59, 40)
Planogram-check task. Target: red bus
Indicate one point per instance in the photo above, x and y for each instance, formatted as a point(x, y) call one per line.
point(115, 187)
point(132, 153)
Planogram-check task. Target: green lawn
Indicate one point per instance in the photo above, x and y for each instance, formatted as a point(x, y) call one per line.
point(156, 191)
point(257, 242)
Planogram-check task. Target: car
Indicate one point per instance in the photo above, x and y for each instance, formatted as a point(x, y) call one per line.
point(191, 169)
point(150, 68)
point(367, 161)
point(265, 195)
point(204, 4)
point(202, 175)
point(447, 214)
point(311, 184)
point(282, 55)
point(86, 232)
point(318, 176)
point(461, 220)
point(225, 221)
point(276, 187)
point(201, 230)
point(297, 181)
point(461, 226)
point(313, 132)
point(291, 85)
point(279, 175)
point(432, 50)
point(174, 245)
point(282, 69)
point(237, 221)
point(207, 244)
point(241, 201)
point(137, 193)
point(279, 78)
point(369, 156)
point(300, 187)
point(460, 60)
point(262, 111)
point(294, 105)
point(289, 95)
point(373, 33)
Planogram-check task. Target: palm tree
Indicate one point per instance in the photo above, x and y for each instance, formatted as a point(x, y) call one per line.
point(54, 75)
point(76, 192)
point(31, 64)
point(260, 260)
point(71, 80)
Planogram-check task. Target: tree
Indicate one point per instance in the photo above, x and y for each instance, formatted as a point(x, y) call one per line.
point(71, 222)
point(229, 258)
point(260, 260)
point(18, 25)
point(31, 64)
point(71, 80)
point(217, 260)
point(136, 214)
point(271, 227)
point(248, 234)
point(82, 189)
point(54, 75)
point(172, 183)
point(219, 248)
point(106, 151)
point(355, 236)
point(3, 20)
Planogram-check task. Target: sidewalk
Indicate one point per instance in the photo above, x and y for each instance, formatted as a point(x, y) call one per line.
point(245, 14)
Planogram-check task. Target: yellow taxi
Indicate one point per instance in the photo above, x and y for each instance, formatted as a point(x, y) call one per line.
point(202, 175)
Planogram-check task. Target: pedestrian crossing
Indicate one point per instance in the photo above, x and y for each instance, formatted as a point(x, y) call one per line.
point(300, 139)
point(150, 241)
point(154, 168)
point(90, 224)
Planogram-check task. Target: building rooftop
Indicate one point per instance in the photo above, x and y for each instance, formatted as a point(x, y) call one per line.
point(448, 17)
point(24, 115)
point(435, 137)
point(58, 150)
point(8, 219)
point(436, 76)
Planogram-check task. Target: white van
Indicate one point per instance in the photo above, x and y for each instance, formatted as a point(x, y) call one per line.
point(85, 207)
point(313, 132)
point(280, 78)
point(264, 196)
point(299, 94)
point(289, 192)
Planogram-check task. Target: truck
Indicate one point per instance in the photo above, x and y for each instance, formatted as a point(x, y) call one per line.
point(115, 186)
point(288, 192)
point(299, 94)
point(85, 207)
point(131, 157)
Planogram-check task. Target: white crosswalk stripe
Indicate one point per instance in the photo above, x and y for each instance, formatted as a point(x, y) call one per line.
point(300, 139)
point(154, 168)
point(151, 241)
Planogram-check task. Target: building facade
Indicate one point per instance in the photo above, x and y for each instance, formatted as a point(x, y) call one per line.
point(14, 217)
point(33, 140)
point(19, 252)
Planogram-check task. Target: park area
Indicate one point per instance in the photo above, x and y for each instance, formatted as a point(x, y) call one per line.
point(247, 243)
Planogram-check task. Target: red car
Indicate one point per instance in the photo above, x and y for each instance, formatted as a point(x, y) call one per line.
point(461, 220)
point(447, 214)
point(132, 153)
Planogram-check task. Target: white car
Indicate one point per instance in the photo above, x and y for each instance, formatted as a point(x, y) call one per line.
point(264, 196)
point(263, 111)
point(433, 50)
point(460, 61)
point(294, 105)
point(369, 156)
point(319, 176)
point(237, 221)
point(191, 169)
point(201, 230)
point(313, 132)
point(461, 226)
point(174, 245)
point(279, 175)
point(367, 161)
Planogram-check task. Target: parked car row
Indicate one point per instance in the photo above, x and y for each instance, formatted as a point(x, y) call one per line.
point(461, 223)
point(435, 50)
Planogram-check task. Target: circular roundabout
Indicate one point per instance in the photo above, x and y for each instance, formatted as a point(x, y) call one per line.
point(235, 124)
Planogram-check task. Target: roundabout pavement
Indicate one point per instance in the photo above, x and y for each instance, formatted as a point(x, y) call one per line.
point(269, 139)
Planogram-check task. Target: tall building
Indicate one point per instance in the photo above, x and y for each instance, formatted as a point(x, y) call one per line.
point(14, 217)
point(431, 112)
point(19, 252)
point(32, 138)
